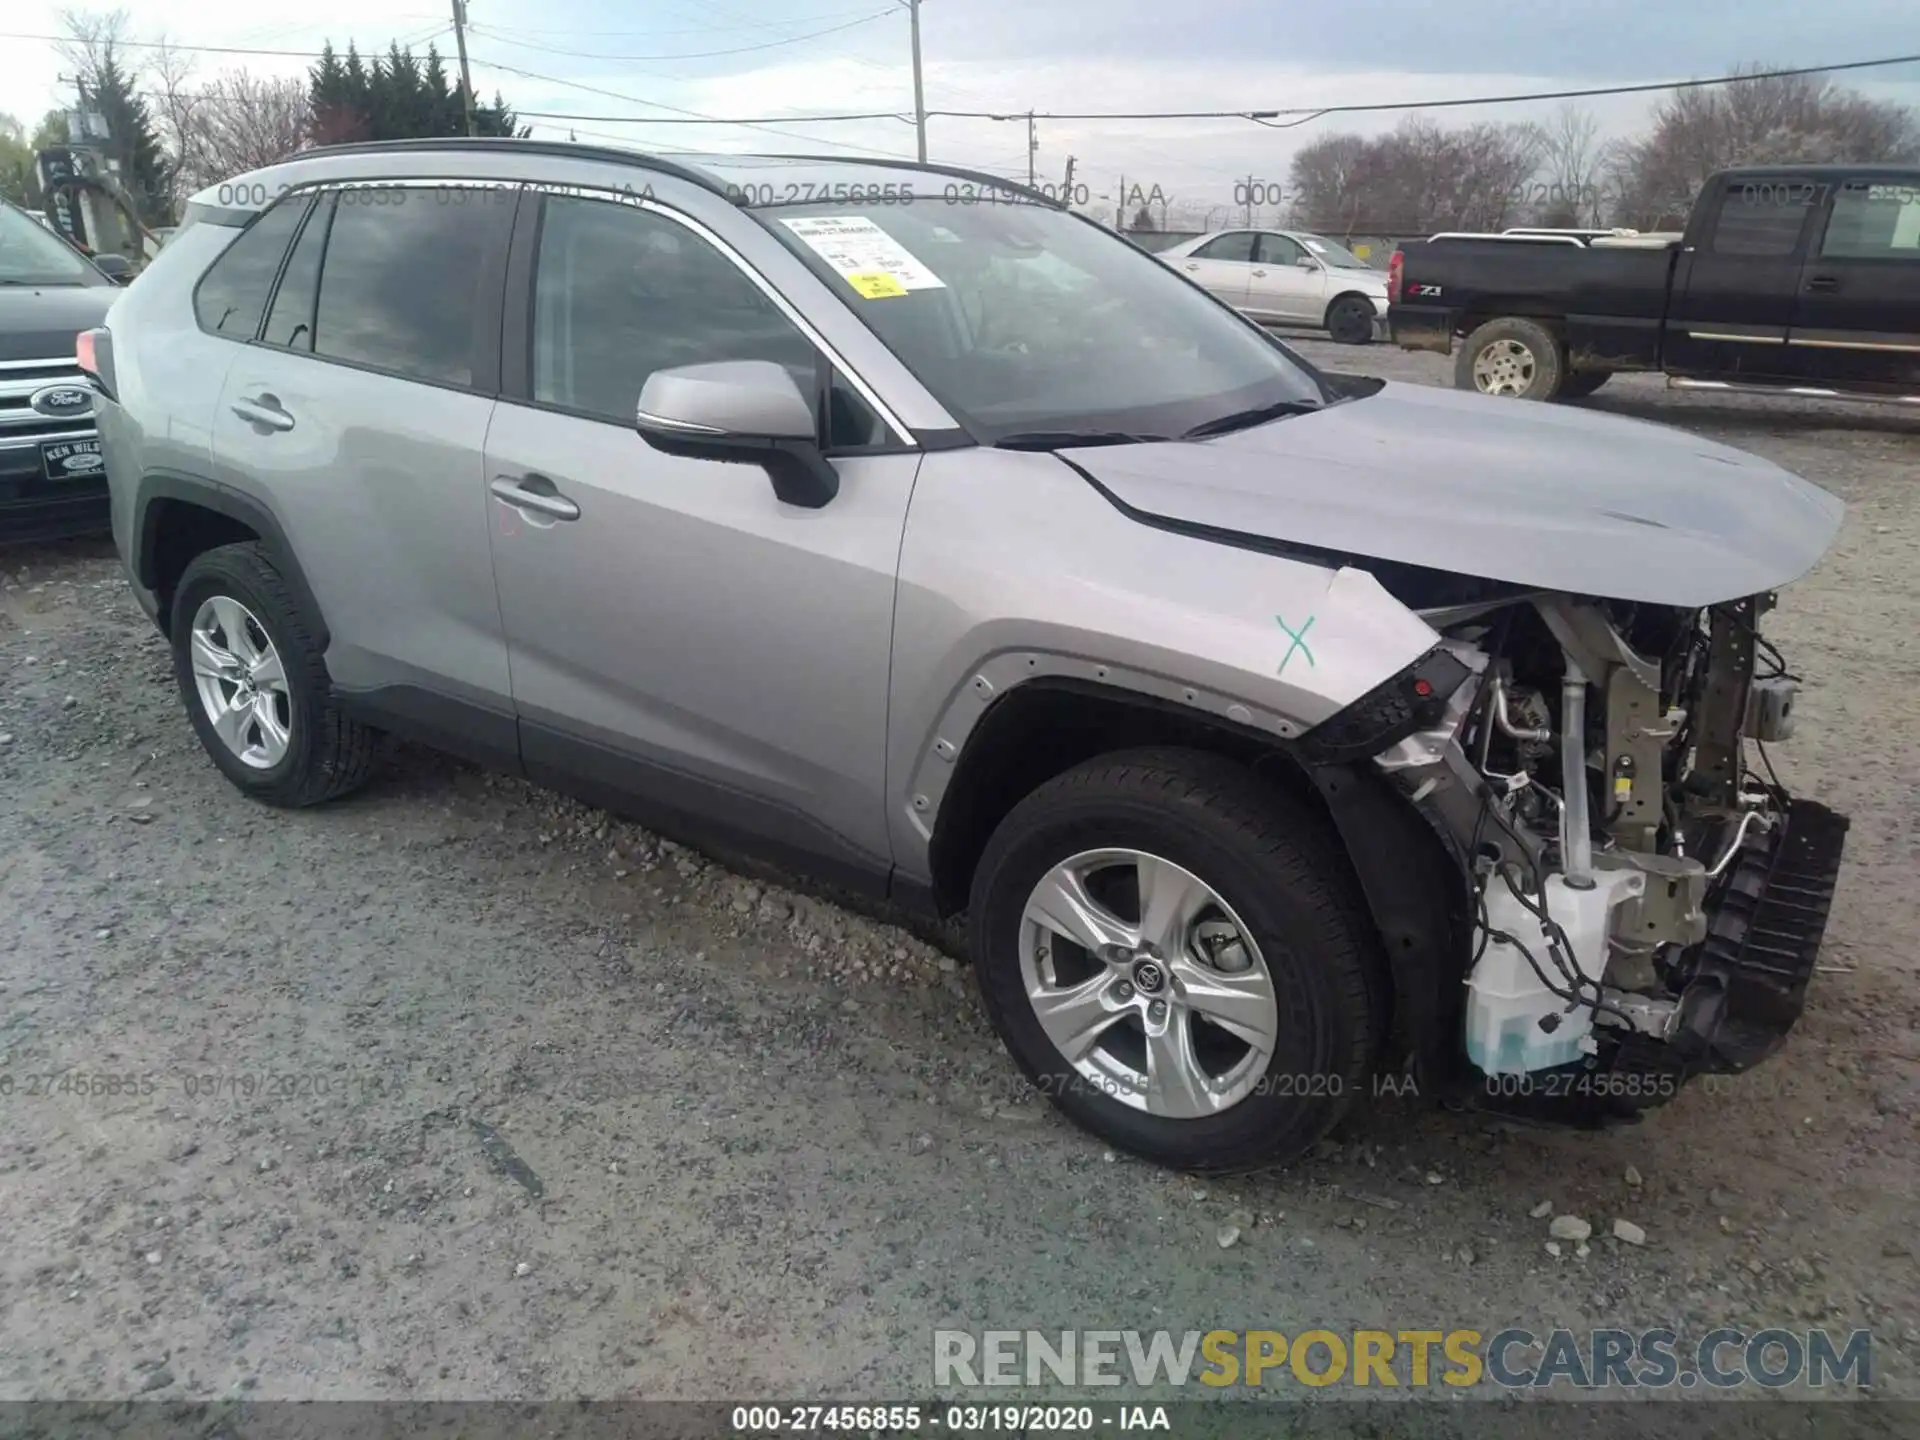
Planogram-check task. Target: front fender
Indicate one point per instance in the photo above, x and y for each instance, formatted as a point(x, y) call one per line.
point(1015, 569)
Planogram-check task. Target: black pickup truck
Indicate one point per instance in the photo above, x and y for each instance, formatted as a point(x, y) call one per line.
point(1797, 279)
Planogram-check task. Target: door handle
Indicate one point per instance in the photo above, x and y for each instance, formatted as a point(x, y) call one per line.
point(1259, 274)
point(1824, 283)
point(263, 410)
point(535, 493)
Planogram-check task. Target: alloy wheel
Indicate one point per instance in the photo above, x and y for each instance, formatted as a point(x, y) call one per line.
point(1503, 367)
point(241, 682)
point(1148, 984)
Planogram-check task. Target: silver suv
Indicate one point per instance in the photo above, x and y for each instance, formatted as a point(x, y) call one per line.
point(1276, 732)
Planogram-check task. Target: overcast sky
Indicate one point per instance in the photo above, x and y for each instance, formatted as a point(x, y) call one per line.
point(1012, 55)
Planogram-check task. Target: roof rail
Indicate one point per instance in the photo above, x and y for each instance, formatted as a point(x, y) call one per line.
point(959, 172)
point(514, 145)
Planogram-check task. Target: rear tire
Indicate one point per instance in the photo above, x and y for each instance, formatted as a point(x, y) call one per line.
point(241, 649)
point(1350, 320)
point(1243, 865)
point(1513, 357)
point(1582, 383)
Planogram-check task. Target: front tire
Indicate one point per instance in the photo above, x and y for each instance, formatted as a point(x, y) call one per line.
point(1350, 320)
point(1175, 954)
point(1513, 357)
point(255, 683)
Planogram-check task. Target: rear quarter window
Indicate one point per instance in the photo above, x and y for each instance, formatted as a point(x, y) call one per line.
point(232, 295)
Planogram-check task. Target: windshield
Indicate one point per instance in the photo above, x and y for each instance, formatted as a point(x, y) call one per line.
point(1332, 252)
point(1021, 318)
point(33, 255)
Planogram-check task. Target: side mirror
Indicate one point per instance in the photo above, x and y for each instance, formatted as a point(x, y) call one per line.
point(1307, 262)
point(116, 268)
point(749, 412)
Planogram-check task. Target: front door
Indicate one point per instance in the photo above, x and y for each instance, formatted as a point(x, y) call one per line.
point(1857, 319)
point(1287, 284)
point(1223, 266)
point(1735, 287)
point(358, 414)
point(682, 642)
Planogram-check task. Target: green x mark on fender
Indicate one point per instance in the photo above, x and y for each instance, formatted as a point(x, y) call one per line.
point(1299, 639)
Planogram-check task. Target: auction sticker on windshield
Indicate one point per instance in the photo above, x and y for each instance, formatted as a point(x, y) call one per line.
point(865, 256)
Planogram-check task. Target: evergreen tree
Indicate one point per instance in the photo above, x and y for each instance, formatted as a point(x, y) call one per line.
point(445, 114)
point(328, 97)
point(398, 97)
point(146, 172)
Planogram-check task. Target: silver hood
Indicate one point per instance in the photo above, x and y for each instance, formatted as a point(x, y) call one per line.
point(1538, 495)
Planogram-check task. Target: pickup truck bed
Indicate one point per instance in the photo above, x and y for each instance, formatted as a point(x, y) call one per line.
point(1611, 302)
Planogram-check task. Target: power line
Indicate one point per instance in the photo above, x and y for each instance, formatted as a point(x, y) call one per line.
point(1310, 112)
point(691, 30)
point(491, 33)
point(197, 49)
point(676, 110)
point(710, 119)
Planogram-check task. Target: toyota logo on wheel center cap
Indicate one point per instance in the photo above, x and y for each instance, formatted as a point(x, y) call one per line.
point(1148, 977)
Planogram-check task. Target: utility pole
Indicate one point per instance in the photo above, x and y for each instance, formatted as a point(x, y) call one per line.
point(466, 76)
point(1033, 148)
point(1120, 208)
point(1066, 189)
point(919, 88)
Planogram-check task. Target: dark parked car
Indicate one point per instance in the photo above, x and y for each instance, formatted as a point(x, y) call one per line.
point(52, 480)
point(1793, 279)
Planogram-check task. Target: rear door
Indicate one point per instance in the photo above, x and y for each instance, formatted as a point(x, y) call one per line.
point(1281, 287)
point(1738, 280)
point(1223, 266)
point(1857, 318)
point(359, 415)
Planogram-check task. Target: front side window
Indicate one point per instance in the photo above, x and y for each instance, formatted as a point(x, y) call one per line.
point(620, 292)
point(1762, 218)
point(1229, 247)
point(1279, 250)
point(400, 290)
point(233, 293)
point(1874, 221)
point(1024, 318)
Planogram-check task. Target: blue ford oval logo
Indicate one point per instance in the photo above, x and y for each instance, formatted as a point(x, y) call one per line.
point(61, 402)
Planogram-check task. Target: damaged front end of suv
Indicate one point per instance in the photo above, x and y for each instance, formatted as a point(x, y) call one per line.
point(1643, 903)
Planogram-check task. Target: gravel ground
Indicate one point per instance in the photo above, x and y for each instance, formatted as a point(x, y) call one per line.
point(458, 1089)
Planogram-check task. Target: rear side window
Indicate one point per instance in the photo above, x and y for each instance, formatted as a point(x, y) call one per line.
point(400, 289)
point(1228, 247)
point(1762, 217)
point(232, 294)
point(1874, 222)
point(290, 321)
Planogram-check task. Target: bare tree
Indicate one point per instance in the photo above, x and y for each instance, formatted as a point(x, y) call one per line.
point(240, 122)
point(177, 103)
point(1570, 187)
point(1414, 180)
point(1789, 119)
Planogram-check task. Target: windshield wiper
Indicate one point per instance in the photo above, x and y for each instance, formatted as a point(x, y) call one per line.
point(1243, 419)
point(1068, 439)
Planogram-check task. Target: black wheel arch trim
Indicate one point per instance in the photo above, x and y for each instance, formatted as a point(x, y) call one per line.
point(1416, 888)
point(234, 505)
